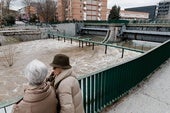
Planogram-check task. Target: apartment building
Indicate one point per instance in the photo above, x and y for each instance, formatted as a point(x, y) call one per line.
point(81, 10)
point(163, 11)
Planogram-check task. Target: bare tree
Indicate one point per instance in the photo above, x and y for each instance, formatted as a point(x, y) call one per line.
point(5, 5)
point(46, 9)
point(7, 52)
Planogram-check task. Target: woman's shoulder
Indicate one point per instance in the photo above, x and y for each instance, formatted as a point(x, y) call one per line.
point(69, 80)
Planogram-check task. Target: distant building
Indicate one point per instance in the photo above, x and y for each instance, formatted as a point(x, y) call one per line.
point(163, 11)
point(133, 15)
point(26, 12)
point(148, 9)
point(81, 10)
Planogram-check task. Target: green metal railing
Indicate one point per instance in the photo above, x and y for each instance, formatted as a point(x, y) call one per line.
point(104, 87)
point(108, 85)
point(87, 40)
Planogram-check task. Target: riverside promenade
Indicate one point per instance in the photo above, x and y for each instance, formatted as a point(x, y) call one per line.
point(152, 95)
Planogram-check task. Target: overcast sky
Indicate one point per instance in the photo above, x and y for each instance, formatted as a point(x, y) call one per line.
point(122, 3)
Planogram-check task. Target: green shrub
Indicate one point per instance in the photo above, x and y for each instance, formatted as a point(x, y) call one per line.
point(9, 20)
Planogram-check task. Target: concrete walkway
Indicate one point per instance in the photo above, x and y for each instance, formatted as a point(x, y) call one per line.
point(153, 95)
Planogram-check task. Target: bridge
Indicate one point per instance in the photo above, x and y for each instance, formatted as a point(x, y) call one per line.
point(153, 36)
point(146, 32)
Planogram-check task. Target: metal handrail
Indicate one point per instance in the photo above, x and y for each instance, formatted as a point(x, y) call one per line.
point(52, 34)
point(108, 85)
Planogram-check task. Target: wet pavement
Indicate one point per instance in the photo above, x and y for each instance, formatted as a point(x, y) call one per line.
point(153, 95)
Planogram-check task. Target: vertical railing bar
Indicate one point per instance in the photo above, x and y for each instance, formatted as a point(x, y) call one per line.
point(101, 95)
point(5, 109)
point(120, 81)
point(97, 93)
point(101, 91)
point(104, 89)
point(112, 85)
point(95, 108)
point(116, 83)
point(88, 95)
point(107, 88)
point(84, 94)
point(92, 93)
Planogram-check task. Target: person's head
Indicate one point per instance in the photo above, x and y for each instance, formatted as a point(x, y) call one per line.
point(35, 72)
point(60, 62)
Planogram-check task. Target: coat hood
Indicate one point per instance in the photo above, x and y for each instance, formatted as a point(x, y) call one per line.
point(36, 93)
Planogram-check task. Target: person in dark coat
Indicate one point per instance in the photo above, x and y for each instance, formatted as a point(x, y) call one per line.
point(66, 85)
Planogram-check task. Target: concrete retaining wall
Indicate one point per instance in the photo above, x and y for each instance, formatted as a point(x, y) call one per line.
point(67, 28)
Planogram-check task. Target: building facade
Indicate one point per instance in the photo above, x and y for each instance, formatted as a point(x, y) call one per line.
point(133, 15)
point(26, 12)
point(81, 10)
point(163, 11)
point(148, 9)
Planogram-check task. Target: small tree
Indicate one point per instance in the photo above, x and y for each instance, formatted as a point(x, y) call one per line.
point(114, 13)
point(9, 19)
point(7, 52)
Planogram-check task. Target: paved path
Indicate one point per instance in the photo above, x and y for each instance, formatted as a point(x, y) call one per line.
point(153, 96)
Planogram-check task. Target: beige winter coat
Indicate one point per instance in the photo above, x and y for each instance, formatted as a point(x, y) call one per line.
point(39, 99)
point(69, 93)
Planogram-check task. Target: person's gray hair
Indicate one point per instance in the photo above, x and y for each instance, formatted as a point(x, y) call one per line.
point(35, 72)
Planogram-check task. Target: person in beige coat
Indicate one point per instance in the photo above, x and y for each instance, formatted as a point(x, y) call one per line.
point(39, 97)
point(67, 86)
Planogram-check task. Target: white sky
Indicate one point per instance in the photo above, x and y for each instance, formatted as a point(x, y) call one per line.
point(122, 3)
